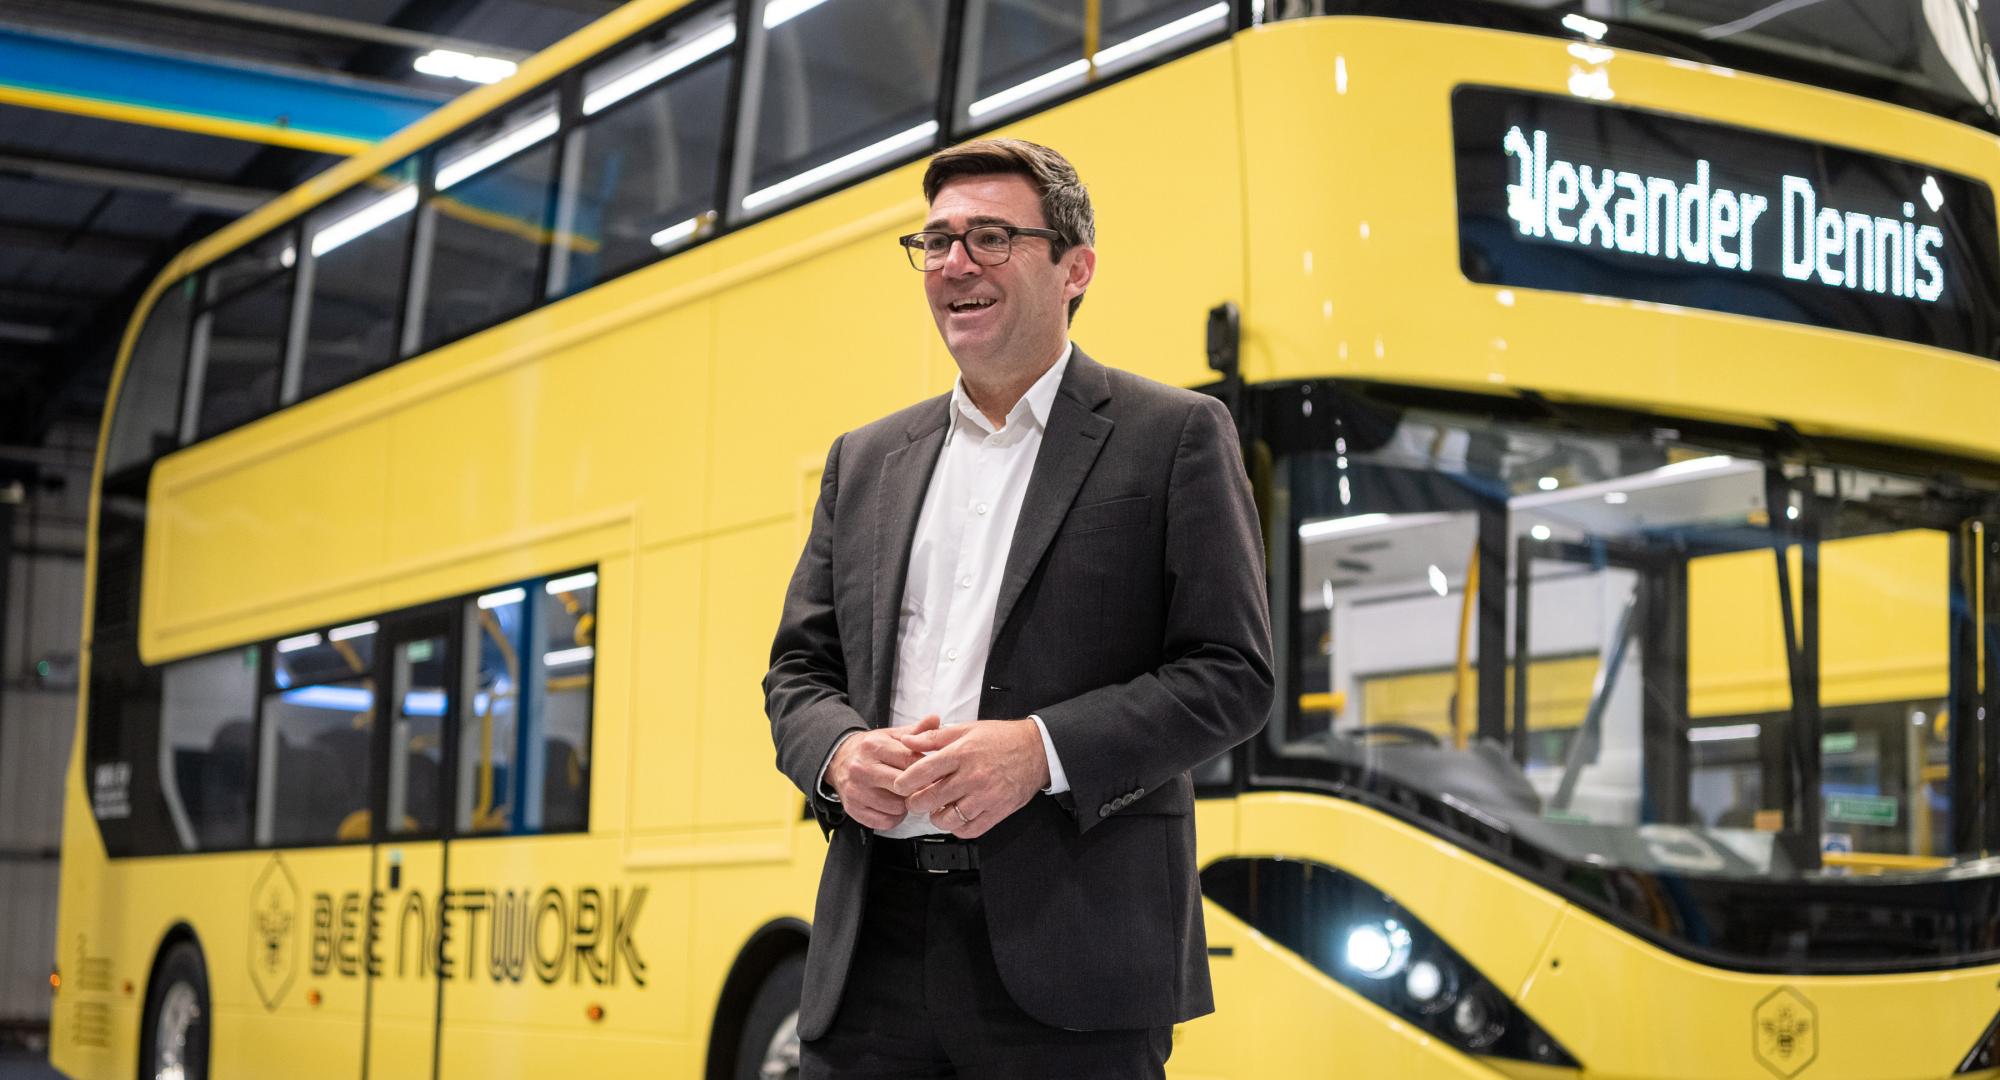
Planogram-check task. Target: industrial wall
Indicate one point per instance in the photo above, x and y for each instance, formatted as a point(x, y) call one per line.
point(44, 500)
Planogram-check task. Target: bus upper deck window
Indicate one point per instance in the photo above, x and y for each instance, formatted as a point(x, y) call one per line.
point(489, 223)
point(845, 86)
point(647, 151)
point(240, 339)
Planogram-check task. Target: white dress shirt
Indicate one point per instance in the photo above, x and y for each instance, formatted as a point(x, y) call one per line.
point(944, 627)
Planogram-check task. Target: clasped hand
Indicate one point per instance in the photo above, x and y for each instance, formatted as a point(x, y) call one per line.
point(967, 777)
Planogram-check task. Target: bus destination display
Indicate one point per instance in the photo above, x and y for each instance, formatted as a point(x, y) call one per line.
point(1574, 196)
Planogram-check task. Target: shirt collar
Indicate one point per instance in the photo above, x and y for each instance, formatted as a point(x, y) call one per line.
point(1035, 404)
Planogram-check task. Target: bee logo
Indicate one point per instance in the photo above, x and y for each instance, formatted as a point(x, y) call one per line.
point(1786, 1032)
point(274, 909)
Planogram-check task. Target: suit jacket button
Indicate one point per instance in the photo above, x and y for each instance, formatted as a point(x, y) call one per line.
point(1138, 793)
point(1105, 810)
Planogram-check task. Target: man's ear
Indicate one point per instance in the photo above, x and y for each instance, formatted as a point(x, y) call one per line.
point(1082, 262)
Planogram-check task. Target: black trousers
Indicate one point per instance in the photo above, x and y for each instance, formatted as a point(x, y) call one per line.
point(924, 999)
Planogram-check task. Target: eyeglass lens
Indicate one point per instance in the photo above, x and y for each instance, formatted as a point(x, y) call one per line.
point(988, 245)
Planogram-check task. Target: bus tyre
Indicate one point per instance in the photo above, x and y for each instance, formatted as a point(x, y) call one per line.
point(769, 1049)
point(174, 1038)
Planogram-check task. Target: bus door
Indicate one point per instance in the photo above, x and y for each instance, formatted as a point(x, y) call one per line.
point(409, 913)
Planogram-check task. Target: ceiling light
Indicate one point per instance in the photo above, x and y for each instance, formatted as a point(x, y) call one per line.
point(496, 150)
point(344, 633)
point(1695, 465)
point(779, 12)
point(572, 583)
point(675, 234)
point(365, 220)
point(844, 164)
point(658, 68)
point(1725, 732)
point(1584, 25)
point(1158, 37)
point(1313, 530)
point(303, 641)
point(452, 64)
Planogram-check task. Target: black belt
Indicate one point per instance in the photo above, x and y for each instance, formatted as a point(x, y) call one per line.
point(932, 854)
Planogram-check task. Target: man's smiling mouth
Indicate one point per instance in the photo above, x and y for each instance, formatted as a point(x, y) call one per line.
point(971, 303)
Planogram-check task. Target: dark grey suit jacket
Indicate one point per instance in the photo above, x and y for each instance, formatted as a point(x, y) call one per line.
point(1132, 618)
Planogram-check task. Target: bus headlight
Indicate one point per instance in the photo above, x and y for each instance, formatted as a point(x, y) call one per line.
point(1475, 1021)
point(1378, 949)
point(1429, 987)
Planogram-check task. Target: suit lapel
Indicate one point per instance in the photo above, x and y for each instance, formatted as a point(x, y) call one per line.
point(1076, 434)
point(906, 475)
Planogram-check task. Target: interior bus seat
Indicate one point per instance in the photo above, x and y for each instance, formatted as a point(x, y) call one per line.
point(313, 793)
point(223, 790)
point(340, 757)
point(564, 776)
point(422, 778)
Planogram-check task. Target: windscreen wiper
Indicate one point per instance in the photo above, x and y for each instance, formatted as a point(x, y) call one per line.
point(1801, 750)
point(1591, 735)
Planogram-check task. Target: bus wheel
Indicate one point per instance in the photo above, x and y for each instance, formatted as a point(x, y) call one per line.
point(769, 1049)
point(174, 1042)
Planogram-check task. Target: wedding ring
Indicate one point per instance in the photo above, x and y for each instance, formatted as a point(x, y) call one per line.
point(961, 815)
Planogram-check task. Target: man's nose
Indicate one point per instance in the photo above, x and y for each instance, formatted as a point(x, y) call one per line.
point(958, 260)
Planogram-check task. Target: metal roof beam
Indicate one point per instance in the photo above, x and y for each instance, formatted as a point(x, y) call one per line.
point(28, 333)
point(329, 26)
point(200, 194)
point(592, 8)
point(235, 100)
point(92, 242)
point(38, 297)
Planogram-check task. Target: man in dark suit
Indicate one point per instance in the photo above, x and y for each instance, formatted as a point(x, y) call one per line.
point(1025, 611)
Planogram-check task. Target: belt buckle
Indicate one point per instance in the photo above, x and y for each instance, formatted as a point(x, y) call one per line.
point(923, 840)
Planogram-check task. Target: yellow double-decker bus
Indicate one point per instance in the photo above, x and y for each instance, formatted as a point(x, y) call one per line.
point(1616, 380)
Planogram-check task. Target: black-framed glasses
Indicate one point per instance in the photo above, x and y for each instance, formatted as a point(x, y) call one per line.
point(987, 245)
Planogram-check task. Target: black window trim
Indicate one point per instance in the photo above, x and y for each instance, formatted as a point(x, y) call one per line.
point(268, 688)
point(202, 318)
point(576, 123)
point(430, 621)
point(397, 626)
point(143, 464)
point(417, 298)
point(292, 359)
point(292, 391)
point(210, 299)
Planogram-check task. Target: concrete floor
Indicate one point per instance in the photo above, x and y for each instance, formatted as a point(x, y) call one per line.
point(22, 1065)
